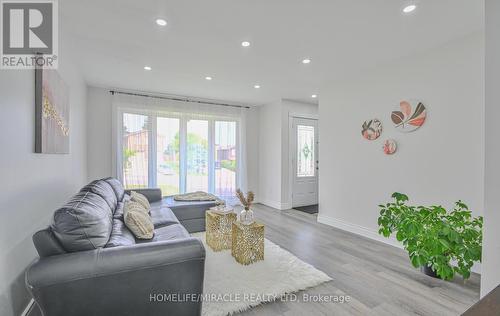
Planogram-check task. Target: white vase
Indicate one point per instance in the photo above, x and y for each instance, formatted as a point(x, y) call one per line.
point(246, 217)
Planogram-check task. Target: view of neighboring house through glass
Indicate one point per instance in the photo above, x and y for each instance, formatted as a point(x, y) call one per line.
point(135, 151)
point(197, 156)
point(168, 155)
point(179, 154)
point(225, 158)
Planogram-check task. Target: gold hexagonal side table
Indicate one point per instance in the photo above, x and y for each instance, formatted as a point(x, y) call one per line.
point(247, 242)
point(218, 229)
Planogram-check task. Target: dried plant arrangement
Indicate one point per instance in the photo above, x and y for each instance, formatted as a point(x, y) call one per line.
point(246, 202)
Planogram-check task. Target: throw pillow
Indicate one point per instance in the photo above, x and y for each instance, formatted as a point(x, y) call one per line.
point(140, 198)
point(138, 221)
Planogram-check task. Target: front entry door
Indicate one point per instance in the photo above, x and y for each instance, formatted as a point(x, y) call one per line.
point(305, 164)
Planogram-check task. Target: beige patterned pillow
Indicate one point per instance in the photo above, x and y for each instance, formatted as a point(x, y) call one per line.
point(135, 206)
point(138, 220)
point(140, 198)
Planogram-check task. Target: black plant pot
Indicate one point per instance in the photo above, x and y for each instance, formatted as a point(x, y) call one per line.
point(428, 271)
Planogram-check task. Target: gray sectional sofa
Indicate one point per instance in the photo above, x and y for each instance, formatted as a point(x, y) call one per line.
point(91, 264)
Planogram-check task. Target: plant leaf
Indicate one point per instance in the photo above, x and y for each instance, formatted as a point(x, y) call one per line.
point(444, 243)
point(415, 261)
point(397, 117)
point(400, 196)
point(419, 110)
point(400, 235)
point(405, 108)
point(418, 121)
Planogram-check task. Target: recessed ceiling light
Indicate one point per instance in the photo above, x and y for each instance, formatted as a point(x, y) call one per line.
point(208, 78)
point(409, 8)
point(245, 44)
point(314, 96)
point(161, 22)
point(306, 61)
point(147, 68)
point(257, 86)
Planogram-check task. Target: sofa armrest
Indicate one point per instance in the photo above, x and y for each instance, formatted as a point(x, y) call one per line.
point(131, 280)
point(152, 194)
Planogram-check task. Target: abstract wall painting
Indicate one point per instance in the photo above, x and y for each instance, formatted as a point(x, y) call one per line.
point(371, 129)
point(51, 113)
point(390, 146)
point(411, 116)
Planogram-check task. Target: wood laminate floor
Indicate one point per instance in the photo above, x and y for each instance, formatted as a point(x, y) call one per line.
point(378, 278)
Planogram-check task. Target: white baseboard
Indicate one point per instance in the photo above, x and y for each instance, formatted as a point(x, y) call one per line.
point(277, 205)
point(273, 204)
point(370, 233)
point(286, 206)
point(359, 230)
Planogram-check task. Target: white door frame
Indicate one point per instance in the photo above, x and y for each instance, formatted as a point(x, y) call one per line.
point(291, 151)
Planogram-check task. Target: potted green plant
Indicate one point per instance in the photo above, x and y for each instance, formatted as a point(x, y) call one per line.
point(442, 243)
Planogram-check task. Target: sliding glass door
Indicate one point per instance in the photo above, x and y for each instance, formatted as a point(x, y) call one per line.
point(168, 155)
point(225, 158)
point(179, 153)
point(135, 151)
point(197, 156)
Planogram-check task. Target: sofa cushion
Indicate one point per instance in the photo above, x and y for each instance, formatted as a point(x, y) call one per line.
point(138, 221)
point(175, 231)
point(120, 208)
point(84, 223)
point(120, 236)
point(194, 225)
point(152, 194)
point(104, 190)
point(117, 187)
point(46, 243)
point(139, 198)
point(187, 210)
point(163, 216)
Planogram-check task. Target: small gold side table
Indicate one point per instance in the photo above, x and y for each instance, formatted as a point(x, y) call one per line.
point(218, 226)
point(248, 242)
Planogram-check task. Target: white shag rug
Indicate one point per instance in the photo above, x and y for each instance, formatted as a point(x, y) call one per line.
point(232, 287)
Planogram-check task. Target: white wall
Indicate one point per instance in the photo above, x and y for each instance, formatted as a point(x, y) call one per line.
point(100, 156)
point(99, 145)
point(253, 124)
point(33, 185)
point(274, 158)
point(270, 155)
point(490, 276)
point(440, 163)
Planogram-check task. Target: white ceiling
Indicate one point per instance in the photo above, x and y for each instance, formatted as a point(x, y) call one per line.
point(114, 39)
